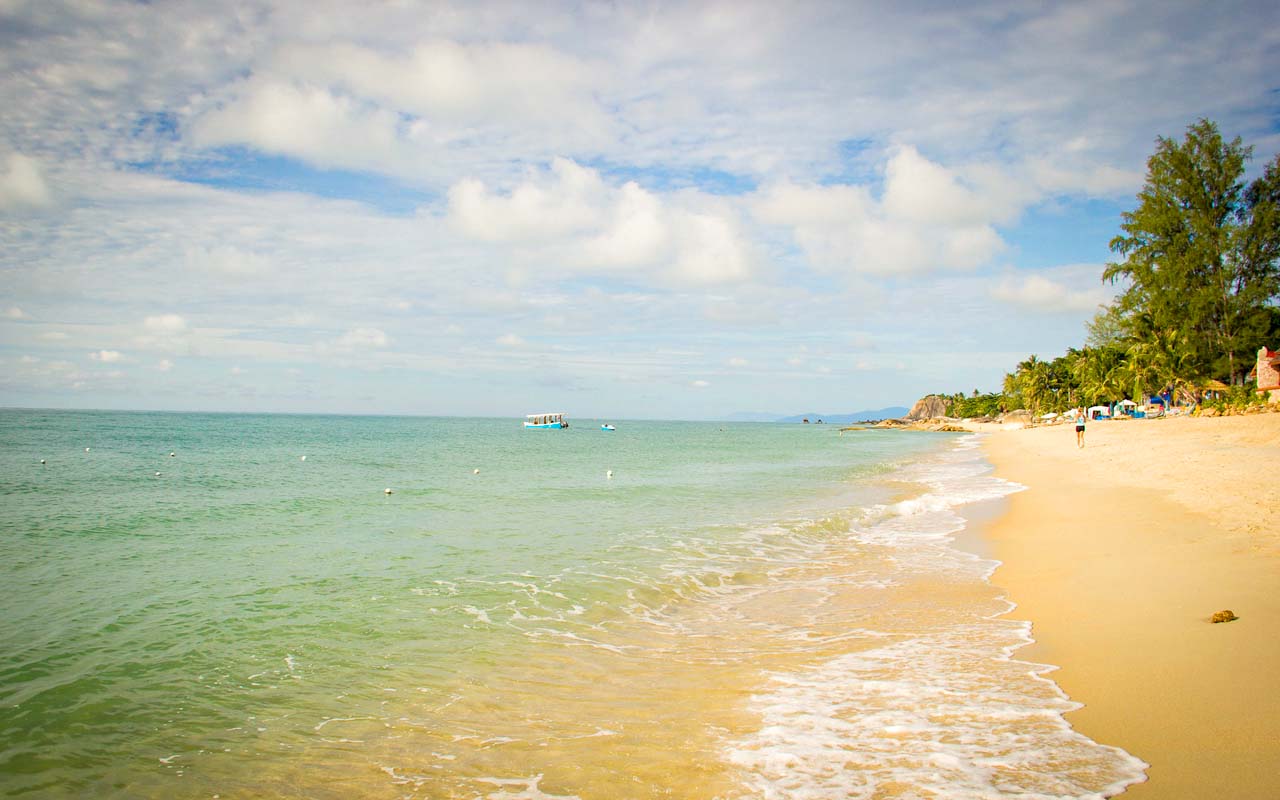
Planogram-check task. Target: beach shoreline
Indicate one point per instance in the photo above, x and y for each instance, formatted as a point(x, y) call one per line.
point(1119, 553)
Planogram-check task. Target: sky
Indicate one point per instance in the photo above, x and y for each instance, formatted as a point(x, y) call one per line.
point(612, 209)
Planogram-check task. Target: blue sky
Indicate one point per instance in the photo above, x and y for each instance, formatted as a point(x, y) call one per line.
point(645, 210)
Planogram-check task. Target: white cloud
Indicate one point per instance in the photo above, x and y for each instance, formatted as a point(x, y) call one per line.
point(106, 356)
point(165, 324)
point(164, 365)
point(1039, 293)
point(687, 238)
point(308, 122)
point(509, 340)
point(700, 384)
point(467, 84)
point(13, 312)
point(737, 361)
point(565, 200)
point(928, 218)
point(361, 339)
point(22, 184)
point(226, 260)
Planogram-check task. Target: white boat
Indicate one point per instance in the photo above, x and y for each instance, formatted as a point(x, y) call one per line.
point(545, 421)
point(607, 427)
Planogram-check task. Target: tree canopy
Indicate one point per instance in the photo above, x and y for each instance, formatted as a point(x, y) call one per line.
point(1199, 260)
point(1200, 254)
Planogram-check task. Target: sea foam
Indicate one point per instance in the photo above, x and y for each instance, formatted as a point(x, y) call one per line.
point(937, 705)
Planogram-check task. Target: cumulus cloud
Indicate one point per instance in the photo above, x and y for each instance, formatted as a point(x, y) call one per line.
point(361, 339)
point(22, 184)
point(509, 340)
point(226, 260)
point(353, 106)
point(308, 122)
point(1039, 293)
point(566, 199)
point(165, 324)
point(687, 238)
point(107, 356)
point(927, 218)
point(463, 83)
point(164, 332)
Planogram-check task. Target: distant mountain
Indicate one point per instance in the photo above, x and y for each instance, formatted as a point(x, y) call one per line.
point(892, 412)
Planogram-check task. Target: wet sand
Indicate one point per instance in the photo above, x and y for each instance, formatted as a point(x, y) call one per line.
point(1119, 553)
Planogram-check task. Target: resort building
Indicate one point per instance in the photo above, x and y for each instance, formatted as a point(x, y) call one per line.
point(1268, 372)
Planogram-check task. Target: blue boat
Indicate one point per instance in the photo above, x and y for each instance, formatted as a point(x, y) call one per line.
point(607, 427)
point(545, 421)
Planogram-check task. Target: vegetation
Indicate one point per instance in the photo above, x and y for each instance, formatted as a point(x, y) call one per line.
point(1199, 259)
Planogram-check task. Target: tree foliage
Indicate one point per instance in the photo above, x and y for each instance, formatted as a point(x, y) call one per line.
point(1200, 266)
point(1199, 256)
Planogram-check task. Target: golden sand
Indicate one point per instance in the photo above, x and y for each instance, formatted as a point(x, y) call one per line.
point(1119, 554)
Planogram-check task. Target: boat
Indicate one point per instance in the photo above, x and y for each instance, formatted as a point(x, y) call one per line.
point(607, 427)
point(545, 421)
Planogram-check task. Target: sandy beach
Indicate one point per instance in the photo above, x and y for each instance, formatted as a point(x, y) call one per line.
point(1119, 553)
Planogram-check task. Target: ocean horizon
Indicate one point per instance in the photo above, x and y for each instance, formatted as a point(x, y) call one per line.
point(233, 605)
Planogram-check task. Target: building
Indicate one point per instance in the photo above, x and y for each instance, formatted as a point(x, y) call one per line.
point(1268, 372)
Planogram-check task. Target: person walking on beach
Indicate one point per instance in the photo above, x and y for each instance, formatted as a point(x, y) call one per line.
point(1080, 419)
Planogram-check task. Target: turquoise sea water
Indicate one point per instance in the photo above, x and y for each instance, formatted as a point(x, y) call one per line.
point(738, 610)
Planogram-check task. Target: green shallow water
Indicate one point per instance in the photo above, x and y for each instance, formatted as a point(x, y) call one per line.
point(245, 595)
point(739, 611)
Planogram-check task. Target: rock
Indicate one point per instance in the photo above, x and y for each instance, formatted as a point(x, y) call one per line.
point(929, 406)
point(1223, 616)
point(1208, 412)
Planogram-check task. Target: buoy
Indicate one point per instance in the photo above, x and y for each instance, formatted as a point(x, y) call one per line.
point(608, 473)
point(475, 471)
point(304, 458)
point(42, 461)
point(157, 474)
point(171, 455)
point(86, 449)
point(386, 491)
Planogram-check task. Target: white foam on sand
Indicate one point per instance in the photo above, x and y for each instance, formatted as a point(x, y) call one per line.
point(941, 708)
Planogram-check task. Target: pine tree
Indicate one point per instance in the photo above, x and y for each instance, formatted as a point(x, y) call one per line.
point(1200, 253)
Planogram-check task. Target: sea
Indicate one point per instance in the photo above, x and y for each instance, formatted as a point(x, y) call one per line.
point(298, 606)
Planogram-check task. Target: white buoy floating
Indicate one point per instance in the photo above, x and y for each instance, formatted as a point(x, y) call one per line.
point(608, 473)
point(386, 491)
point(475, 471)
point(86, 449)
point(304, 458)
point(42, 461)
point(172, 455)
point(157, 474)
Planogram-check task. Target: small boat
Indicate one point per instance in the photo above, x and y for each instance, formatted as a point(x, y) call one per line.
point(545, 421)
point(607, 427)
